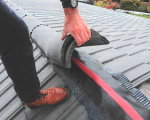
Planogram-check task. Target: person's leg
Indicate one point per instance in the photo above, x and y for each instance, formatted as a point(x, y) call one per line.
point(17, 55)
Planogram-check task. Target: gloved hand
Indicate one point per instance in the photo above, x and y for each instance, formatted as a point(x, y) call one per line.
point(75, 25)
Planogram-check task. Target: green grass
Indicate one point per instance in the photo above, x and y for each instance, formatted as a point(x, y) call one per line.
point(104, 4)
point(146, 16)
point(95, 4)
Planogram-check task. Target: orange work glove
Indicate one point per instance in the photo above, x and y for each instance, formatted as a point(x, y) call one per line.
point(75, 25)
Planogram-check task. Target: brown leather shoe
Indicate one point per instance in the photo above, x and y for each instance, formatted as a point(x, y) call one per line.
point(50, 96)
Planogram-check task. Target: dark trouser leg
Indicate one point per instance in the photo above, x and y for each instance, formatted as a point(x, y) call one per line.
point(17, 54)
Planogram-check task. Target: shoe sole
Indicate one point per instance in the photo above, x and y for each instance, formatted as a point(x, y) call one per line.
point(61, 102)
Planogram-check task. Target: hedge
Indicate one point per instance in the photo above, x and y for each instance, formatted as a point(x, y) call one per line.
point(130, 4)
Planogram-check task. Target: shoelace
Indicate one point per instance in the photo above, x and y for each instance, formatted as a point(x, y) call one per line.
point(43, 95)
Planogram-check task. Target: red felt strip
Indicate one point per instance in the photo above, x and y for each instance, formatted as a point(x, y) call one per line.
point(146, 92)
point(121, 102)
point(147, 88)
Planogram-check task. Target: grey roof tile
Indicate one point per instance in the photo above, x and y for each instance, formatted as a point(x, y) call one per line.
point(126, 62)
point(51, 22)
point(58, 29)
point(15, 7)
point(5, 84)
point(74, 111)
point(36, 54)
point(45, 73)
point(104, 52)
point(17, 113)
point(145, 89)
point(98, 29)
point(119, 44)
point(10, 3)
point(137, 72)
point(1, 70)
point(50, 18)
point(130, 37)
point(21, 12)
point(60, 110)
point(20, 116)
point(145, 36)
point(143, 56)
point(41, 62)
point(111, 57)
point(135, 50)
point(6, 98)
point(10, 108)
point(54, 81)
point(146, 46)
point(57, 25)
point(1, 66)
point(141, 80)
point(112, 39)
point(32, 21)
point(3, 76)
point(126, 48)
point(95, 49)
